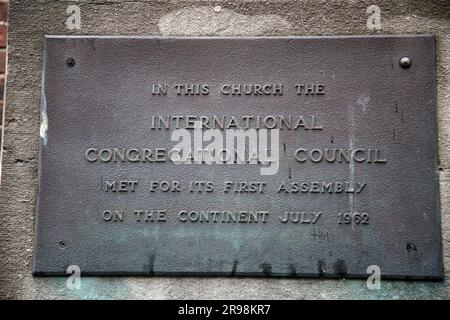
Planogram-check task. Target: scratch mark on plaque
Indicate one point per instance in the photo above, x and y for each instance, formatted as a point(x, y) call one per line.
point(44, 120)
point(321, 268)
point(234, 268)
point(340, 267)
point(364, 103)
point(351, 137)
point(151, 265)
point(292, 270)
point(267, 268)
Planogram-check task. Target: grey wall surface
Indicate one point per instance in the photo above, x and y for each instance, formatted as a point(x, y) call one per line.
point(29, 20)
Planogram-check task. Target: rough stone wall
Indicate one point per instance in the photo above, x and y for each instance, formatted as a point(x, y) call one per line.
point(29, 20)
point(3, 36)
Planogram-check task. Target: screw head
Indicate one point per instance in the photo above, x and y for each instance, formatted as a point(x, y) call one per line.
point(62, 244)
point(70, 62)
point(405, 62)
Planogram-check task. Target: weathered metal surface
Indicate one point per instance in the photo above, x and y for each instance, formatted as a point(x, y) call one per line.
point(368, 93)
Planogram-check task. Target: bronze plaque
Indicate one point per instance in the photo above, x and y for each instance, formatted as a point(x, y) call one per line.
point(295, 156)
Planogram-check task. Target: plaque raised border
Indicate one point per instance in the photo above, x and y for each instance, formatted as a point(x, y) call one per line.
point(315, 217)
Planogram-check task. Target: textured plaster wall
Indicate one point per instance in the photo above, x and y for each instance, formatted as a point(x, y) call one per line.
point(29, 20)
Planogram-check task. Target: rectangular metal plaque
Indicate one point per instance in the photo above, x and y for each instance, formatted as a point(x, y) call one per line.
point(298, 156)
